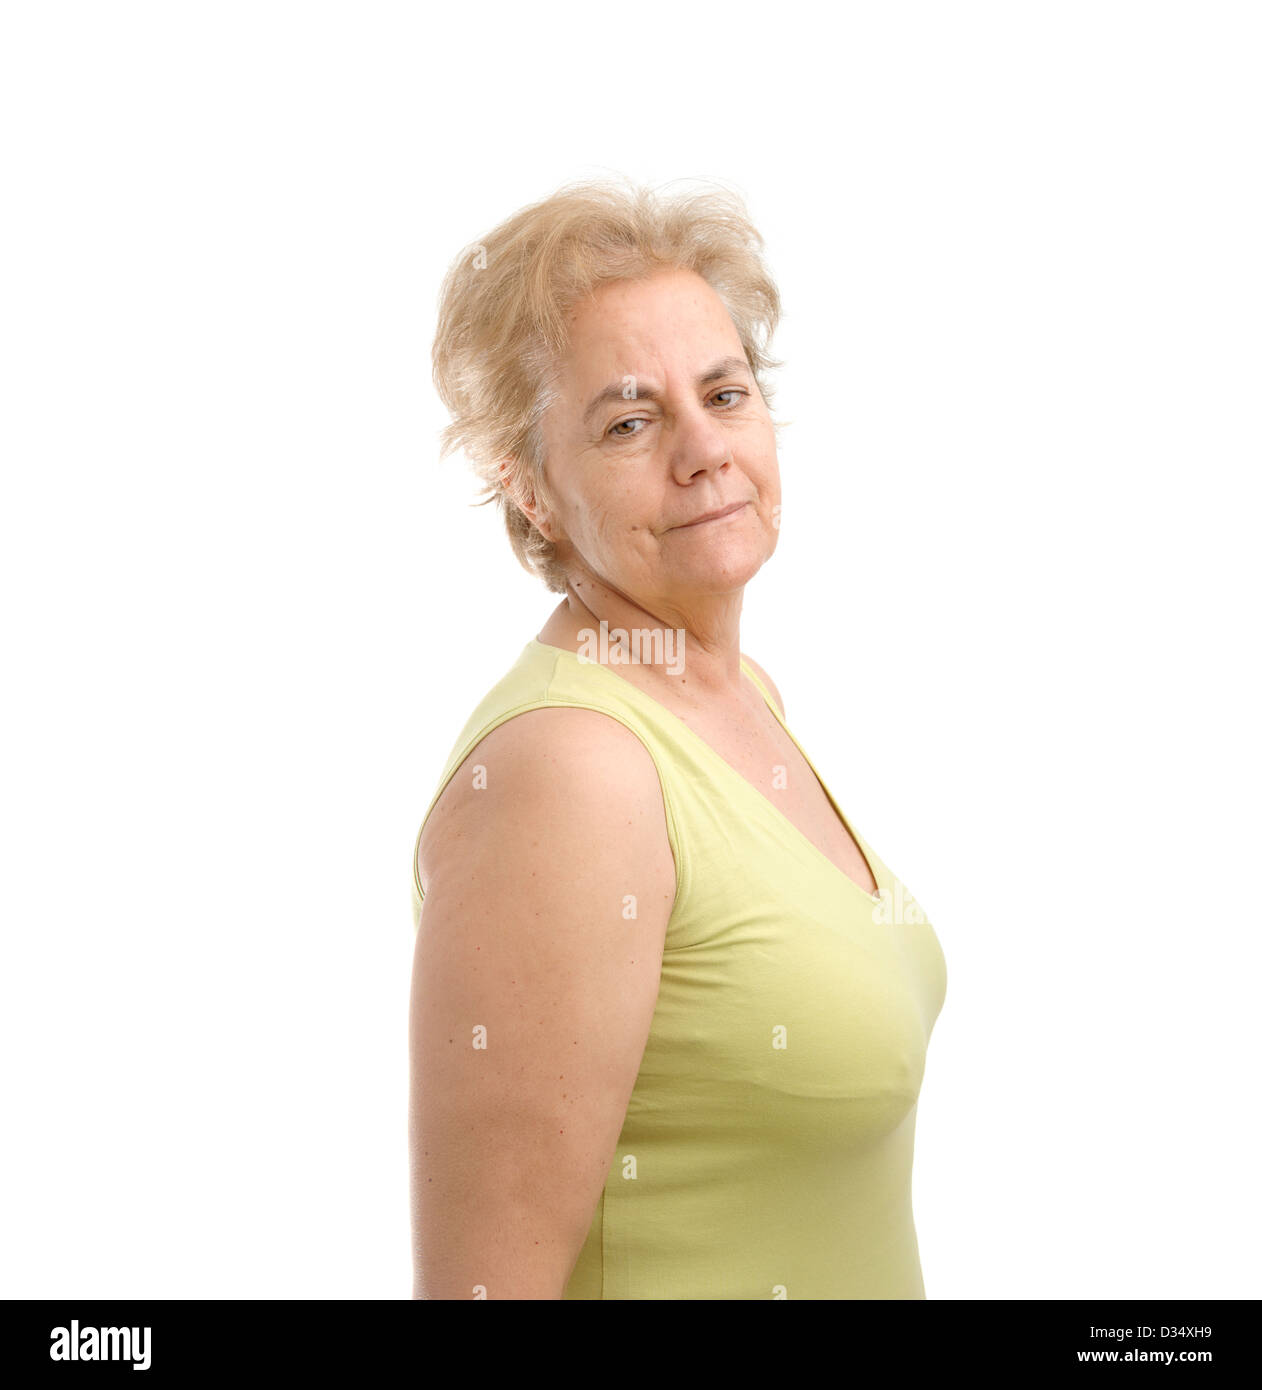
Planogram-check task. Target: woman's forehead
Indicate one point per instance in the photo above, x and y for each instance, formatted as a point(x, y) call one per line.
point(650, 332)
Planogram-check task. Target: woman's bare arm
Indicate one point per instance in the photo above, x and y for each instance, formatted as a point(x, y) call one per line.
point(547, 894)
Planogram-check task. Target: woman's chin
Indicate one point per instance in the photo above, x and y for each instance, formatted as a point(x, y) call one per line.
point(721, 569)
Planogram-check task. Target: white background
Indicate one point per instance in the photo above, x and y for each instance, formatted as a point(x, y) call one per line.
point(246, 612)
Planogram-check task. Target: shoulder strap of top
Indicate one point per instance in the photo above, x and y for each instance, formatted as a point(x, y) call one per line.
point(543, 678)
point(766, 694)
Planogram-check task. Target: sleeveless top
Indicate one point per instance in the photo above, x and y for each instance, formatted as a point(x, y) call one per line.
point(767, 1146)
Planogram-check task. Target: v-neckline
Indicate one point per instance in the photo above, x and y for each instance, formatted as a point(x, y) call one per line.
point(775, 810)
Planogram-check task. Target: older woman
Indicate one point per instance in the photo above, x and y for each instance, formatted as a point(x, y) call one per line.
point(670, 1011)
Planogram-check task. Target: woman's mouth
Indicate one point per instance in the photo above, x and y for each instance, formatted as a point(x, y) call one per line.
point(712, 516)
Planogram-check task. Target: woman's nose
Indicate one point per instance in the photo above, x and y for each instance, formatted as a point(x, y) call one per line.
point(699, 446)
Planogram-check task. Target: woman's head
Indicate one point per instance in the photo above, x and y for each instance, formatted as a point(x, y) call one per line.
point(603, 355)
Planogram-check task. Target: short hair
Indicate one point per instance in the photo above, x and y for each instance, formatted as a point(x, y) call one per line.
point(505, 300)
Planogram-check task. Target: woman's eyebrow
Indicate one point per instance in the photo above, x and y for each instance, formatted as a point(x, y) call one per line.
point(725, 366)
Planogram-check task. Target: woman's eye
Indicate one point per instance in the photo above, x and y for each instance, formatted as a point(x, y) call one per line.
point(615, 429)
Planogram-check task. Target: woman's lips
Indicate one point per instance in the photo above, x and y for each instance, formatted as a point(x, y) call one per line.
point(713, 516)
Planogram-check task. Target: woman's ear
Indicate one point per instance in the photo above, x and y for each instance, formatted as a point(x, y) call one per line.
point(515, 481)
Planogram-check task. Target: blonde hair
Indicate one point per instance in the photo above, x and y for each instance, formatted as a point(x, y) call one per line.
point(505, 301)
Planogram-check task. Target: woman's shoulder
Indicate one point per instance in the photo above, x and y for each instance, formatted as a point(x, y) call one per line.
point(542, 786)
point(562, 741)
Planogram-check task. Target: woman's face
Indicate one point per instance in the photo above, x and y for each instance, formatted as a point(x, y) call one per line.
point(660, 422)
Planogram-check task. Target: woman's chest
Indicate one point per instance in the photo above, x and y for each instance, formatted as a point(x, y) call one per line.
point(798, 1011)
point(768, 760)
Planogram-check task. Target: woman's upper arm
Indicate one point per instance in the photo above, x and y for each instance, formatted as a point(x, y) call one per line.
point(549, 881)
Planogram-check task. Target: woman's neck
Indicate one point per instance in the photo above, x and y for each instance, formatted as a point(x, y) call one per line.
point(661, 653)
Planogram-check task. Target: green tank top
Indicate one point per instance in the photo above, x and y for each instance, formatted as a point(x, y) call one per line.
point(767, 1146)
